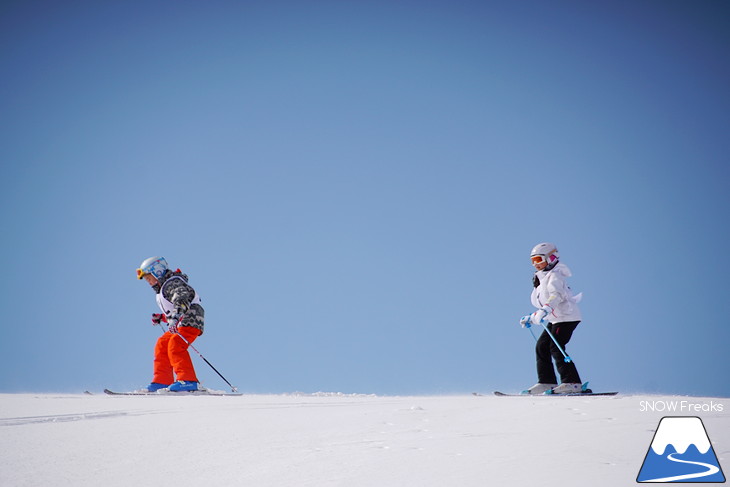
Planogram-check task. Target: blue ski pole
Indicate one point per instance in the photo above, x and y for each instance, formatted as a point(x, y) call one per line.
point(567, 358)
point(529, 327)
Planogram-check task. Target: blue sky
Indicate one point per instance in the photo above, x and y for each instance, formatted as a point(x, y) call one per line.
point(354, 189)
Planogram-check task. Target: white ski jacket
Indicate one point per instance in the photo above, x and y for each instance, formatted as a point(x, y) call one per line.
point(554, 291)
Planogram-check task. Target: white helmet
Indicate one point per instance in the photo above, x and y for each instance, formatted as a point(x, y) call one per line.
point(545, 252)
point(157, 266)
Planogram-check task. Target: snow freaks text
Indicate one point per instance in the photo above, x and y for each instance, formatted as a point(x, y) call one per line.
point(683, 406)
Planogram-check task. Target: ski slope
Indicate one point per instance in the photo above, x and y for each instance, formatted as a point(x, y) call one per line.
point(331, 440)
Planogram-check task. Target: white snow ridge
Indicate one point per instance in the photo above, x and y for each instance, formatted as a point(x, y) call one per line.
point(680, 432)
point(330, 439)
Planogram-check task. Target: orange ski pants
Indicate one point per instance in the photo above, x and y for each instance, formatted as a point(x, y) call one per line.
point(172, 357)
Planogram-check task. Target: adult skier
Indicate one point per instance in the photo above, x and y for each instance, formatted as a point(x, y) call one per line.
point(181, 309)
point(556, 305)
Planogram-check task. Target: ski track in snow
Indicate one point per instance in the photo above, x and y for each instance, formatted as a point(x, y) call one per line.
point(327, 439)
point(58, 418)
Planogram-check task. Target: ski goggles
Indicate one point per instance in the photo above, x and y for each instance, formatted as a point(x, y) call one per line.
point(539, 259)
point(141, 273)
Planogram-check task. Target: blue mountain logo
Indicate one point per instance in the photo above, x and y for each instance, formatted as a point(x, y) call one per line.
point(681, 452)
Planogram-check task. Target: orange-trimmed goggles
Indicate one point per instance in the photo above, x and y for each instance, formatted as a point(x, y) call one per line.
point(536, 259)
point(140, 273)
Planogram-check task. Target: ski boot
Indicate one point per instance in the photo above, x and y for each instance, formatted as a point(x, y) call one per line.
point(155, 386)
point(568, 388)
point(539, 388)
point(183, 386)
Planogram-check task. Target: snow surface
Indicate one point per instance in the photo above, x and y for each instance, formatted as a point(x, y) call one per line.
point(331, 439)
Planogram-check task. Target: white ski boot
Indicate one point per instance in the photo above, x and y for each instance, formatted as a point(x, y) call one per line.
point(539, 388)
point(568, 388)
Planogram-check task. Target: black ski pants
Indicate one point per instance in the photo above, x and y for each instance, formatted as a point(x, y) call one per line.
point(546, 352)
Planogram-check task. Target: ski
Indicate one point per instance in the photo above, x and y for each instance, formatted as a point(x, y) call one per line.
point(585, 391)
point(202, 392)
point(504, 394)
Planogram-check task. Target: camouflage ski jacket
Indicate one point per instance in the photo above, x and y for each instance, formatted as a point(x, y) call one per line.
point(174, 291)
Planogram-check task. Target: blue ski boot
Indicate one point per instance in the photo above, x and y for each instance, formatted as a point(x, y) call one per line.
point(183, 386)
point(155, 386)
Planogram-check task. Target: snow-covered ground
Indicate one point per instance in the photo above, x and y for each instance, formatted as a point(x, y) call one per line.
point(336, 439)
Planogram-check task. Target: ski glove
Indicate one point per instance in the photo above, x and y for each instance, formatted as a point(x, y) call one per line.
point(539, 316)
point(158, 318)
point(525, 321)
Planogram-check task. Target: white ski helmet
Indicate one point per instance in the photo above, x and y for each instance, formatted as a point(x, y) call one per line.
point(545, 252)
point(157, 266)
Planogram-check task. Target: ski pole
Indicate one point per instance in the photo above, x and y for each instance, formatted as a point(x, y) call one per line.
point(233, 389)
point(567, 358)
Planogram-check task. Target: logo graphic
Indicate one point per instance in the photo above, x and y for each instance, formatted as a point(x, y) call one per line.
point(681, 452)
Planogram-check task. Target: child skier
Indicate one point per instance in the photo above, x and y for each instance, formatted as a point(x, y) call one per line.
point(180, 303)
point(556, 305)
